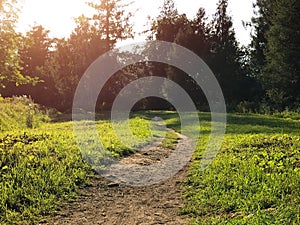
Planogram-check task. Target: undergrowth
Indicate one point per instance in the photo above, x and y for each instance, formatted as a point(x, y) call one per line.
point(20, 113)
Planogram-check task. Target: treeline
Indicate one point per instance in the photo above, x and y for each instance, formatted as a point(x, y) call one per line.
point(262, 77)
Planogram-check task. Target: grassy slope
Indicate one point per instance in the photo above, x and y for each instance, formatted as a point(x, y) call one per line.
point(20, 113)
point(42, 166)
point(255, 178)
point(38, 166)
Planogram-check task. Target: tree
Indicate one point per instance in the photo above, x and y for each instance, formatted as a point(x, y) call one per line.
point(10, 69)
point(261, 25)
point(168, 10)
point(168, 23)
point(91, 38)
point(111, 21)
point(72, 57)
point(33, 52)
point(34, 55)
point(193, 34)
point(225, 55)
point(163, 28)
point(281, 75)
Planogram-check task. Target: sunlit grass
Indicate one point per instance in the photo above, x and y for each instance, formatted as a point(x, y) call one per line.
point(255, 178)
point(42, 167)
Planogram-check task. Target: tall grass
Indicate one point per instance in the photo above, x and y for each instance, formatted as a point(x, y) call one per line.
point(20, 113)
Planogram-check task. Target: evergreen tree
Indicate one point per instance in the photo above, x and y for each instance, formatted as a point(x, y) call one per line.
point(168, 23)
point(225, 55)
point(33, 55)
point(281, 76)
point(111, 21)
point(91, 38)
point(260, 25)
point(165, 27)
point(35, 51)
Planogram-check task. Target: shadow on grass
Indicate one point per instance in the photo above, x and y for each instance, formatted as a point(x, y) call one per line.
point(67, 117)
point(255, 123)
point(236, 123)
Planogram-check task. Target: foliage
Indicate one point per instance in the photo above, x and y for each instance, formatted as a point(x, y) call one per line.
point(10, 68)
point(34, 53)
point(91, 38)
point(215, 42)
point(253, 180)
point(275, 52)
point(261, 25)
point(20, 113)
point(282, 70)
point(168, 23)
point(226, 57)
point(266, 72)
point(287, 114)
point(111, 21)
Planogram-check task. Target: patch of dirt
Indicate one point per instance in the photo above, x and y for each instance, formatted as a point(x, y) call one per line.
point(106, 202)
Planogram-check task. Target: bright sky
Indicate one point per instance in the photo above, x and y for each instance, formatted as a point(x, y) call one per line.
point(57, 15)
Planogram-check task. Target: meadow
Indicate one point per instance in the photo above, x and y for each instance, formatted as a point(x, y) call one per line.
point(40, 162)
point(255, 179)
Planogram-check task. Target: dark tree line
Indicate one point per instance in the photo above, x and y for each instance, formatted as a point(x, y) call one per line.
point(275, 52)
point(260, 77)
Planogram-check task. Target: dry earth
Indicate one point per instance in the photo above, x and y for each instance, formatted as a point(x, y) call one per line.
point(106, 202)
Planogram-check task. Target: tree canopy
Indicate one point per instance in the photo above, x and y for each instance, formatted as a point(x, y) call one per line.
point(9, 45)
point(260, 77)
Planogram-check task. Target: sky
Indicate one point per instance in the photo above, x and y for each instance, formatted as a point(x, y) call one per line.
point(58, 15)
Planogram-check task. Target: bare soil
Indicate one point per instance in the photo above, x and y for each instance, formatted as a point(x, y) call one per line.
point(106, 202)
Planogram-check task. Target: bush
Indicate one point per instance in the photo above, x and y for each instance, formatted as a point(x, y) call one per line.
point(20, 113)
point(246, 107)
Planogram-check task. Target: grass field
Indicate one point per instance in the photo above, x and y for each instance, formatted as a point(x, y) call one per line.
point(255, 178)
point(40, 162)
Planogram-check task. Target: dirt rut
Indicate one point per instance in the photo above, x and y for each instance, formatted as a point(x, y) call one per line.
point(106, 202)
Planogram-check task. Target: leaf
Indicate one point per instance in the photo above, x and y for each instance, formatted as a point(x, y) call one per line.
point(5, 168)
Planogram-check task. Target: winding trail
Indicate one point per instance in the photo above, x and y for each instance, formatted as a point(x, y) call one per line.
point(105, 202)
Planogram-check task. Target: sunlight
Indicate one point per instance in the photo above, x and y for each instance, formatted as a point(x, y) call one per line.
point(55, 15)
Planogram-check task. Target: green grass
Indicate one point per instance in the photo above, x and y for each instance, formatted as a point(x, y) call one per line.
point(171, 140)
point(38, 169)
point(20, 113)
point(42, 167)
point(255, 179)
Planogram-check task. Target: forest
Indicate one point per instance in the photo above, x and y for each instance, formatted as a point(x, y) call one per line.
point(52, 158)
point(262, 77)
point(241, 166)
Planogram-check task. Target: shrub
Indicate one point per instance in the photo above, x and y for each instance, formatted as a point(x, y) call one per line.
point(20, 113)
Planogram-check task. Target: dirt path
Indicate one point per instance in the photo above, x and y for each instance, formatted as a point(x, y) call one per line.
point(105, 202)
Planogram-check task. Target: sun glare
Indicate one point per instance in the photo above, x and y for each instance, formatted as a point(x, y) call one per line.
point(58, 15)
point(55, 15)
